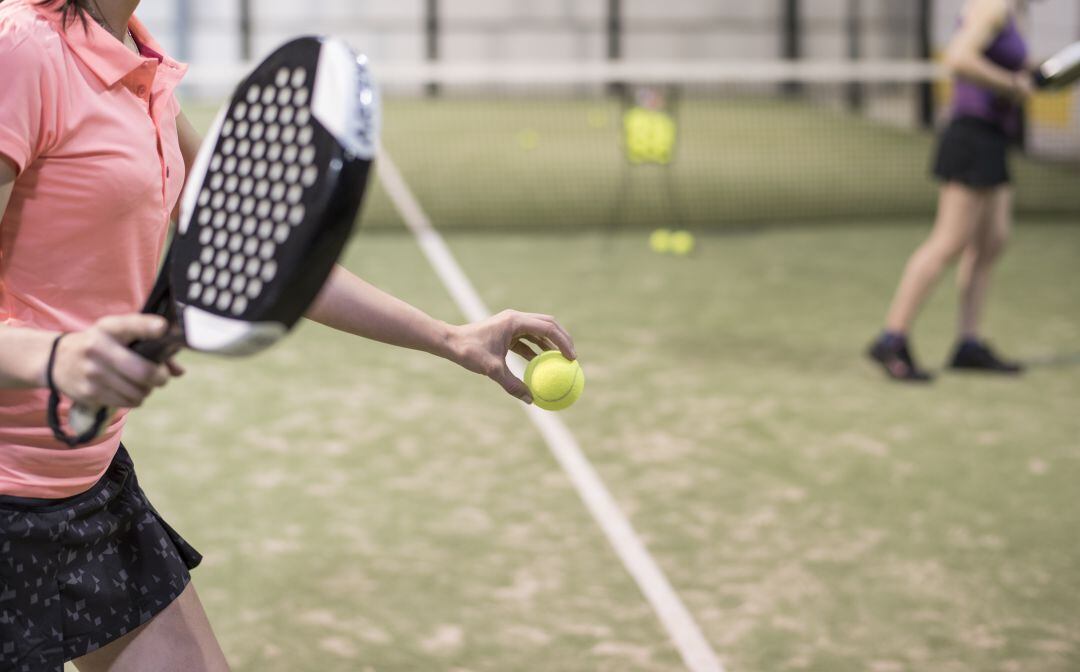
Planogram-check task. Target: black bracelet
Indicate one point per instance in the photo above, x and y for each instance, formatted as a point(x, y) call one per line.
point(52, 363)
point(53, 412)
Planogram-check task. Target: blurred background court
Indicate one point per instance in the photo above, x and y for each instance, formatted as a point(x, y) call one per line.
point(362, 508)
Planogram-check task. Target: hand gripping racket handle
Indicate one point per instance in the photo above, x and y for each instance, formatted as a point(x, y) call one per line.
point(88, 422)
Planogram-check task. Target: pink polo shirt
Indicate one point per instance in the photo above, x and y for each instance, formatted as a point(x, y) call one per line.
point(91, 129)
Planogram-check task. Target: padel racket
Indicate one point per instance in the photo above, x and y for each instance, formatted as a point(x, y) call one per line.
point(1061, 70)
point(271, 200)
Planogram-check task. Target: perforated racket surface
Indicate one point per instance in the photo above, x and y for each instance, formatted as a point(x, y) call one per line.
point(270, 203)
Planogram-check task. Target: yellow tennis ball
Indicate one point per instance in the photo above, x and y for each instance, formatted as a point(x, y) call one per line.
point(528, 139)
point(660, 241)
point(682, 243)
point(555, 381)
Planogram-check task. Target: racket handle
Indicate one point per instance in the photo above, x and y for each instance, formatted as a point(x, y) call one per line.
point(88, 422)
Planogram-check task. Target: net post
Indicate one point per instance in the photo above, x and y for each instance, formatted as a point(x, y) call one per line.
point(791, 38)
point(855, 97)
point(183, 30)
point(927, 111)
point(615, 39)
point(245, 30)
point(432, 31)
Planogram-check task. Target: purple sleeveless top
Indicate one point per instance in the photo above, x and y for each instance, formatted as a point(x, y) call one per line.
point(1010, 51)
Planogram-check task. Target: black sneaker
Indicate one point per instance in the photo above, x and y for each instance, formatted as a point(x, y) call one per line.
point(977, 356)
point(897, 361)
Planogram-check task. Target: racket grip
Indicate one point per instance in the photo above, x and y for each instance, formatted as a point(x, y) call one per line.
point(88, 422)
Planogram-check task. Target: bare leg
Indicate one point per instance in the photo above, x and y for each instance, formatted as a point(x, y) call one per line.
point(978, 260)
point(178, 639)
point(960, 209)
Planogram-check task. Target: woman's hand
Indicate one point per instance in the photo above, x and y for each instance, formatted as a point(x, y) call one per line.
point(95, 367)
point(481, 347)
point(1023, 86)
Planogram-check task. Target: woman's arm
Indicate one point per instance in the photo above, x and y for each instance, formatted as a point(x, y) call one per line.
point(92, 366)
point(983, 21)
point(349, 304)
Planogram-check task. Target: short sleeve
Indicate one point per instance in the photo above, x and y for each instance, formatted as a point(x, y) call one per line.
point(25, 102)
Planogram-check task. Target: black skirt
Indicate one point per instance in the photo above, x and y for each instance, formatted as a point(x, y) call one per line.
point(80, 572)
point(973, 152)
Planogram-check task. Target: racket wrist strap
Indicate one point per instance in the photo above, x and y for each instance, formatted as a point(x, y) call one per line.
point(53, 412)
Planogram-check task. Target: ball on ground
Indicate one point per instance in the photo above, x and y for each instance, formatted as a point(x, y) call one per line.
point(682, 243)
point(660, 241)
point(528, 139)
point(555, 381)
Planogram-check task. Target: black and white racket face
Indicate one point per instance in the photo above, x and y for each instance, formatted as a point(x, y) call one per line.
point(273, 196)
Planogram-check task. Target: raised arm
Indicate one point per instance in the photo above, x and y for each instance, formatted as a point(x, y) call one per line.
point(983, 22)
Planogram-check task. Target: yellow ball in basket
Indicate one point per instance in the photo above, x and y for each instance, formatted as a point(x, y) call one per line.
point(555, 381)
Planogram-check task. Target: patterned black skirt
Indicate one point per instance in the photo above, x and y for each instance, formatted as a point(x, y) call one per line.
point(80, 572)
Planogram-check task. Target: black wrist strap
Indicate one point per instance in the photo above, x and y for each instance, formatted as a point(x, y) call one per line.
point(54, 406)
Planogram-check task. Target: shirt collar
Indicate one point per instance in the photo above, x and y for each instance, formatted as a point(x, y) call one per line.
point(105, 56)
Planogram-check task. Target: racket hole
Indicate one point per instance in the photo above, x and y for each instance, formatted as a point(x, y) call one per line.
point(273, 132)
point(248, 206)
point(193, 291)
point(248, 228)
point(296, 215)
point(253, 93)
point(290, 154)
point(224, 301)
point(219, 219)
point(240, 111)
point(239, 282)
point(262, 188)
point(303, 116)
point(276, 171)
point(215, 162)
point(220, 238)
point(231, 183)
point(292, 174)
point(277, 192)
point(244, 169)
point(287, 115)
point(230, 165)
point(255, 112)
point(299, 77)
point(251, 246)
point(300, 98)
point(296, 192)
point(223, 279)
point(269, 270)
point(209, 296)
point(247, 185)
point(217, 201)
point(254, 289)
point(273, 153)
point(270, 115)
point(193, 271)
point(227, 128)
point(268, 95)
point(263, 209)
point(284, 96)
point(265, 229)
point(222, 258)
point(243, 148)
point(288, 135)
point(258, 151)
point(233, 224)
point(208, 275)
point(266, 253)
point(236, 262)
point(204, 216)
point(239, 305)
point(205, 236)
point(259, 171)
point(216, 180)
point(206, 256)
point(232, 203)
point(311, 175)
point(281, 234)
point(305, 135)
point(281, 211)
point(307, 156)
point(252, 267)
point(242, 129)
point(282, 77)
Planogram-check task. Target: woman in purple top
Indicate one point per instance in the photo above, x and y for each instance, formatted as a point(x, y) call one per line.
point(989, 59)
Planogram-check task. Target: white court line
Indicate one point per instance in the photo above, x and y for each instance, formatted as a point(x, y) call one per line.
point(685, 633)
